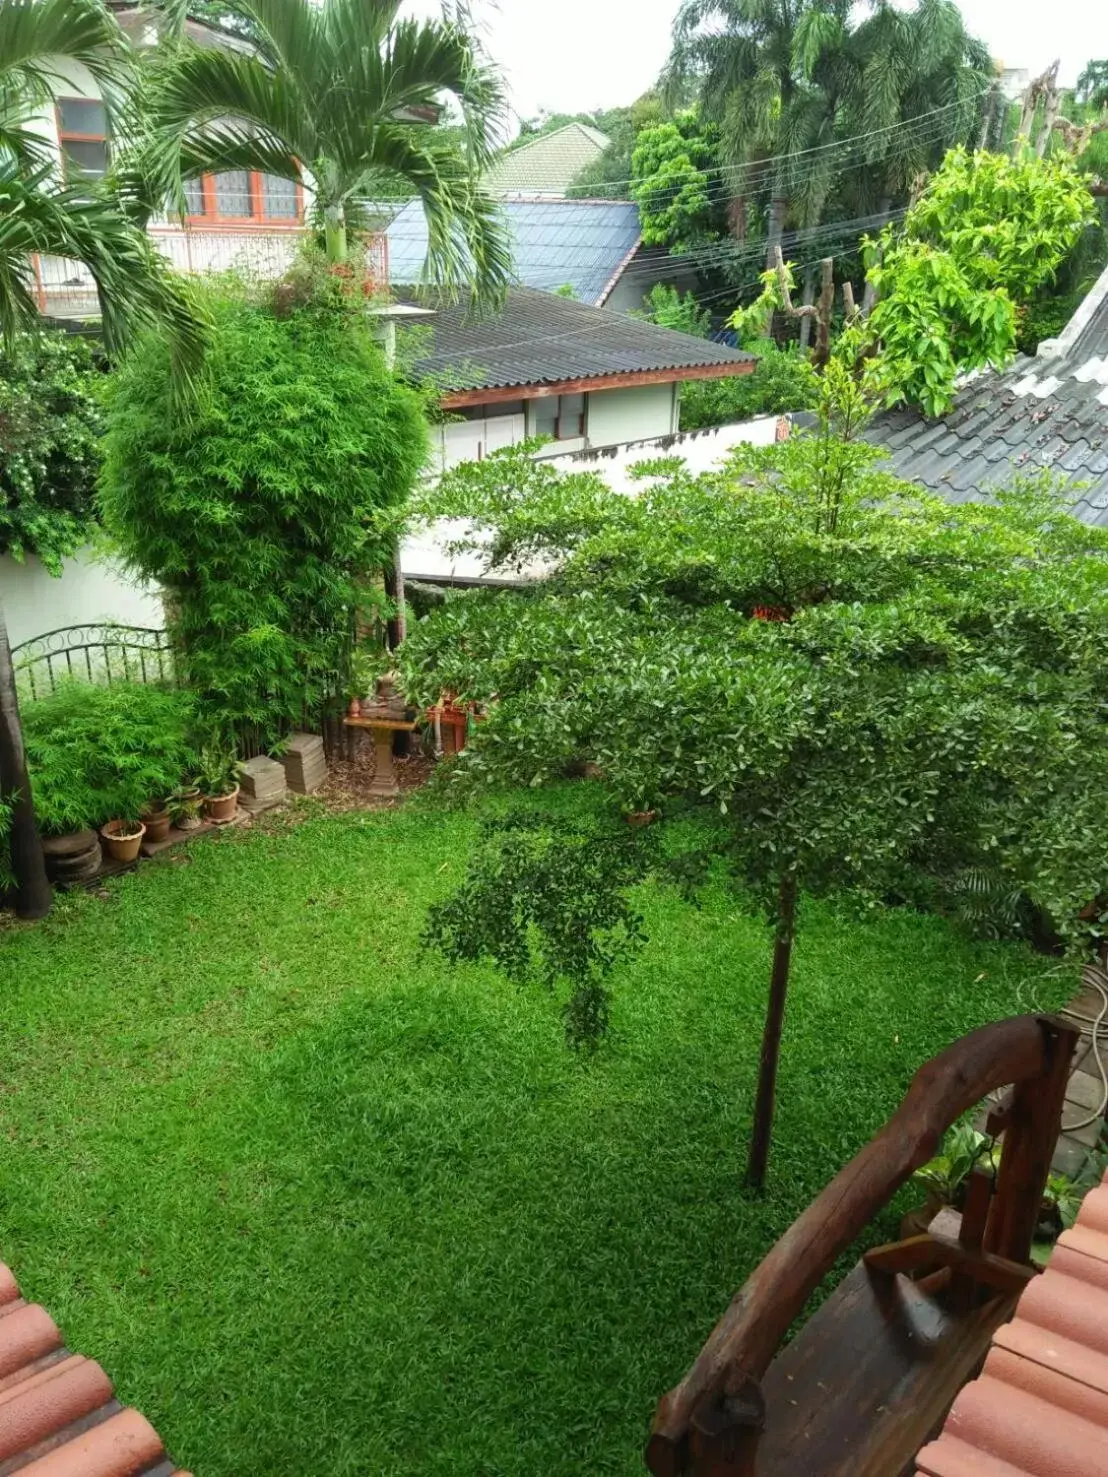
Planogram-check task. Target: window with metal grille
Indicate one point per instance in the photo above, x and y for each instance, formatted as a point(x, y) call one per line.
point(243, 195)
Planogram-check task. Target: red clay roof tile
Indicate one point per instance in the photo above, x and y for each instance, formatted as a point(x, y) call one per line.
point(1040, 1405)
point(57, 1414)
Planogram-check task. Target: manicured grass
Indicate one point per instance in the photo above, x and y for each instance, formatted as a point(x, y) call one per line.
point(323, 1205)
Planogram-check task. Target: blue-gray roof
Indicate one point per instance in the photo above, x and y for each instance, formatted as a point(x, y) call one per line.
point(580, 242)
point(1046, 413)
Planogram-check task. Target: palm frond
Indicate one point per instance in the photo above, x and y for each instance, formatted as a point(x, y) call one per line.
point(467, 241)
point(135, 286)
point(39, 37)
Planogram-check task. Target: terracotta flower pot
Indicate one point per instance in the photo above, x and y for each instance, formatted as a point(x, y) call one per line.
point(221, 808)
point(122, 839)
point(636, 818)
point(354, 708)
point(156, 823)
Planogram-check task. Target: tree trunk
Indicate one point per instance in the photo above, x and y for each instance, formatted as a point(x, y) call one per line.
point(808, 297)
point(771, 1035)
point(778, 209)
point(334, 226)
point(824, 311)
point(33, 895)
point(736, 218)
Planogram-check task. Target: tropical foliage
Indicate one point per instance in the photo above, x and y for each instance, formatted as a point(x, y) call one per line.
point(83, 219)
point(985, 237)
point(821, 115)
point(50, 424)
point(99, 753)
point(675, 182)
point(831, 679)
point(351, 93)
point(260, 509)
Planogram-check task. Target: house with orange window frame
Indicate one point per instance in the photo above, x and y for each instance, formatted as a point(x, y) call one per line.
point(237, 218)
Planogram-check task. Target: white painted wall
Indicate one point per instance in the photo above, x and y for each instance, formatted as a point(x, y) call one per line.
point(424, 554)
point(615, 416)
point(88, 592)
point(699, 450)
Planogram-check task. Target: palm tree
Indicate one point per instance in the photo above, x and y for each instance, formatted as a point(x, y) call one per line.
point(83, 221)
point(918, 83)
point(347, 92)
point(41, 214)
point(769, 80)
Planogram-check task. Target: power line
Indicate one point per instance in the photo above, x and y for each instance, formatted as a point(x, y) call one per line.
point(770, 163)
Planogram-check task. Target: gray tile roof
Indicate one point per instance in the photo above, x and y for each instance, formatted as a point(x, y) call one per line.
point(581, 242)
point(1049, 412)
point(541, 339)
point(548, 164)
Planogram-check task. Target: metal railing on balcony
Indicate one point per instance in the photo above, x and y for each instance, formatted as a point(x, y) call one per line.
point(65, 289)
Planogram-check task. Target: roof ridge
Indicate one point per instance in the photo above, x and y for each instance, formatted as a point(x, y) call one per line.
point(1085, 312)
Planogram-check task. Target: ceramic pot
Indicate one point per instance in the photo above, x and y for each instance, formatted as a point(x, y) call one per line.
point(221, 808)
point(122, 839)
point(156, 823)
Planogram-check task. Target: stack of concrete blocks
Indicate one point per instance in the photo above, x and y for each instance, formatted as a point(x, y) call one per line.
point(262, 785)
point(305, 764)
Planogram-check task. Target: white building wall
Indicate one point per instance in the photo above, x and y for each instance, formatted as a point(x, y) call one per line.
point(88, 592)
point(424, 554)
point(631, 415)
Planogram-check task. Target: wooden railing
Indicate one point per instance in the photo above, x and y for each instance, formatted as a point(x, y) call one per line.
point(709, 1425)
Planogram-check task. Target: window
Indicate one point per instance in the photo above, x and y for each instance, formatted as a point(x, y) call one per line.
point(243, 195)
point(83, 134)
point(560, 416)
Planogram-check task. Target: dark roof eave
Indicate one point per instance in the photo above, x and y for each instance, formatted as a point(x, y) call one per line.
point(492, 394)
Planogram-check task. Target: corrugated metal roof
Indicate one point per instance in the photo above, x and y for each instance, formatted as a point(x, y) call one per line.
point(1049, 412)
point(58, 1417)
point(548, 164)
point(582, 243)
point(1040, 1405)
point(539, 338)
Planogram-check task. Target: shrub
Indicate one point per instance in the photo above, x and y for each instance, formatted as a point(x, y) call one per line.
point(259, 508)
point(96, 753)
point(782, 382)
point(50, 426)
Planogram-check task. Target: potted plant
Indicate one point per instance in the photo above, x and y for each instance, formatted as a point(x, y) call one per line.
point(184, 806)
point(122, 839)
point(156, 818)
point(944, 1177)
point(219, 783)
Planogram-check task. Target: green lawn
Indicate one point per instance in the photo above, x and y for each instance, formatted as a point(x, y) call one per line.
point(323, 1205)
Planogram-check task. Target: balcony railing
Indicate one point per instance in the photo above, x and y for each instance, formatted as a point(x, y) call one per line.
point(65, 289)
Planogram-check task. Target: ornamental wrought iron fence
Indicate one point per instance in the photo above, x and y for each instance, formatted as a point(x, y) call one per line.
point(108, 653)
point(93, 653)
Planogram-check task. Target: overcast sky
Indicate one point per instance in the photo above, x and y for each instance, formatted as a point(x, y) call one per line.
point(575, 55)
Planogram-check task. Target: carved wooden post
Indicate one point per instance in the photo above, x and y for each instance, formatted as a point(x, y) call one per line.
point(1030, 1121)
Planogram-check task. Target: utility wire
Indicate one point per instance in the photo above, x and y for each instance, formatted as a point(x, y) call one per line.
point(771, 162)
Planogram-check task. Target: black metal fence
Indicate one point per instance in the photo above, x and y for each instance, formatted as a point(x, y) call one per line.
point(94, 653)
point(116, 653)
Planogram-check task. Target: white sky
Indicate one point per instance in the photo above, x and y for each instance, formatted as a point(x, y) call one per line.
point(575, 55)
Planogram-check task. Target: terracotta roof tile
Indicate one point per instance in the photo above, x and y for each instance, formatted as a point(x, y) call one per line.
point(58, 1417)
point(1040, 1405)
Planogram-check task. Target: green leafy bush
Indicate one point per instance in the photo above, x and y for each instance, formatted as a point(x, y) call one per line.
point(259, 508)
point(97, 753)
point(50, 425)
point(985, 237)
point(782, 382)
